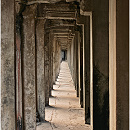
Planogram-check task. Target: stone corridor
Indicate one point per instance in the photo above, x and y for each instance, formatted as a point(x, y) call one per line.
point(64, 64)
point(64, 112)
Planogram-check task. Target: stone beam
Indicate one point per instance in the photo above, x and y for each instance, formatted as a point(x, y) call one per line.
point(61, 30)
point(61, 6)
point(30, 2)
point(57, 11)
point(61, 36)
point(60, 27)
point(61, 33)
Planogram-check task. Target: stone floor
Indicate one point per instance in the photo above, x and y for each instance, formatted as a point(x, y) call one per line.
point(64, 112)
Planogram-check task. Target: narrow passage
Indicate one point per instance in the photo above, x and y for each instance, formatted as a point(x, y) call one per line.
point(64, 112)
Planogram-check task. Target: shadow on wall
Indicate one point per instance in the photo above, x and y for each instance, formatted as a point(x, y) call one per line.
point(101, 100)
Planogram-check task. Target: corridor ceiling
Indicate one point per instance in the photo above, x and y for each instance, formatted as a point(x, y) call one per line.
point(61, 21)
point(60, 15)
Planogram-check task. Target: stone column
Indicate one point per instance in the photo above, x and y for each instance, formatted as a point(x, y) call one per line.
point(100, 21)
point(54, 62)
point(74, 62)
point(40, 69)
point(76, 58)
point(79, 40)
point(19, 89)
point(29, 68)
point(119, 64)
point(52, 38)
point(8, 120)
point(72, 53)
point(46, 68)
point(81, 69)
point(58, 59)
point(68, 54)
point(73, 66)
point(55, 58)
point(50, 62)
point(87, 68)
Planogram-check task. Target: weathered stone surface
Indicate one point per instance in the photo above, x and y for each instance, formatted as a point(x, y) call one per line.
point(57, 59)
point(74, 66)
point(54, 58)
point(86, 71)
point(40, 69)
point(18, 78)
point(78, 58)
point(7, 65)
point(50, 62)
point(52, 1)
point(86, 5)
point(29, 68)
point(19, 88)
point(100, 23)
point(81, 68)
point(46, 68)
point(122, 65)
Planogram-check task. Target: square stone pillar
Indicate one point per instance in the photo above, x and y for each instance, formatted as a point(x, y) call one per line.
point(8, 112)
point(50, 62)
point(40, 68)
point(72, 56)
point(46, 68)
point(86, 68)
point(79, 64)
point(100, 29)
point(74, 62)
point(119, 64)
point(19, 89)
point(29, 68)
point(57, 59)
point(54, 60)
point(68, 54)
point(81, 69)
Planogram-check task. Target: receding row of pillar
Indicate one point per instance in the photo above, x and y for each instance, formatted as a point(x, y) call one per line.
point(30, 63)
point(78, 57)
point(36, 74)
